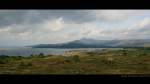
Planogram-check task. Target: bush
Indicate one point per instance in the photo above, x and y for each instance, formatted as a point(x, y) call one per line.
point(72, 59)
point(107, 62)
point(76, 58)
point(67, 61)
point(143, 54)
point(22, 64)
point(17, 57)
point(41, 55)
point(3, 61)
point(4, 56)
point(31, 55)
point(124, 52)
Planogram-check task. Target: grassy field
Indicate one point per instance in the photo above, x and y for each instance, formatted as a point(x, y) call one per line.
point(107, 61)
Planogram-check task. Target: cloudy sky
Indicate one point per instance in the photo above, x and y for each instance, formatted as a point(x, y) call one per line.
point(27, 27)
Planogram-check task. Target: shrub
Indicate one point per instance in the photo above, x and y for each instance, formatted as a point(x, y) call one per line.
point(76, 58)
point(107, 62)
point(124, 52)
point(67, 61)
point(17, 57)
point(143, 54)
point(41, 55)
point(29, 64)
point(3, 61)
point(4, 56)
point(22, 64)
point(31, 55)
point(72, 59)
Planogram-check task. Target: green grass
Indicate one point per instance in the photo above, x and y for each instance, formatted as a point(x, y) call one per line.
point(123, 61)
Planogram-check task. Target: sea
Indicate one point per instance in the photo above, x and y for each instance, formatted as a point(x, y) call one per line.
point(28, 51)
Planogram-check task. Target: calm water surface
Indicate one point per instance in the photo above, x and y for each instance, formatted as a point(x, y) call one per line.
point(26, 51)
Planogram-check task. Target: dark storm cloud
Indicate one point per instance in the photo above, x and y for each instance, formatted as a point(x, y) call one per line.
point(78, 16)
point(11, 17)
point(8, 17)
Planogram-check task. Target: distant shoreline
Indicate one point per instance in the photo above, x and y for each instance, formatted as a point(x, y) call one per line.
point(49, 51)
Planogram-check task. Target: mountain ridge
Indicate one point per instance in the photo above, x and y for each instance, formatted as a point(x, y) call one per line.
point(93, 43)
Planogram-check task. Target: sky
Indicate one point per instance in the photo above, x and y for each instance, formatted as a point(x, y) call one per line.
point(29, 27)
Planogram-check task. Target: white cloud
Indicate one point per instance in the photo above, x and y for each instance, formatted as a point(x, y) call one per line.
point(145, 22)
point(4, 30)
point(118, 15)
point(139, 24)
point(108, 24)
point(113, 15)
point(54, 25)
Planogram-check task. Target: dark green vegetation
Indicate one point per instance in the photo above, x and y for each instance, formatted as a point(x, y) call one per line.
point(108, 61)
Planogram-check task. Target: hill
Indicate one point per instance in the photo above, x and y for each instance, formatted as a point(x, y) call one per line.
point(92, 43)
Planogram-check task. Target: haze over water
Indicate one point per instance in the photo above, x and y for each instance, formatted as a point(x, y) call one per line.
point(26, 51)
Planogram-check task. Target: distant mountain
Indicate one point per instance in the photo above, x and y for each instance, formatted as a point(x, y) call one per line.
point(92, 43)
